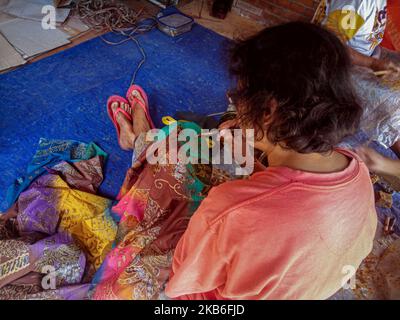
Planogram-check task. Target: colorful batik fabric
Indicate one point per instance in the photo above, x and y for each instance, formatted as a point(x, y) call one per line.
point(48, 154)
point(50, 205)
point(155, 206)
point(56, 230)
point(58, 254)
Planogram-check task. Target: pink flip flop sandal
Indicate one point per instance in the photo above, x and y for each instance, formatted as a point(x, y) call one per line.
point(113, 114)
point(145, 106)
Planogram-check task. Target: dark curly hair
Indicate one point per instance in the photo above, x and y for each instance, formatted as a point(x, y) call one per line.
point(305, 69)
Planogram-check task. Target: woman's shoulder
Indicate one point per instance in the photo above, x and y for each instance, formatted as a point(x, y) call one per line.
point(231, 196)
point(242, 189)
point(280, 187)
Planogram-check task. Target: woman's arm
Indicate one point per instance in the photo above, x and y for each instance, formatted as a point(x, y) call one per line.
point(378, 163)
point(362, 60)
point(372, 63)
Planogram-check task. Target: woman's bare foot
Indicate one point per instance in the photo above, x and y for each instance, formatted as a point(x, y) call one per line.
point(126, 135)
point(140, 123)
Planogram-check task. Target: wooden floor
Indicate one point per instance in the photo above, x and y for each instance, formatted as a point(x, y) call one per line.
point(232, 27)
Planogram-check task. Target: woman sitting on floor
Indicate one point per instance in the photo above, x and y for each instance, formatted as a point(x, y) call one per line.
point(361, 24)
point(289, 231)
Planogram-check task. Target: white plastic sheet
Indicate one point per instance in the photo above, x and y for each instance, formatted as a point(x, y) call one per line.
point(381, 102)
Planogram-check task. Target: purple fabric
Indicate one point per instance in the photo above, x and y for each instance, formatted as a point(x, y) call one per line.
point(37, 207)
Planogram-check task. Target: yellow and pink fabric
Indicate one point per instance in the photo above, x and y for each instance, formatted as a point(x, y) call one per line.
point(155, 205)
point(58, 224)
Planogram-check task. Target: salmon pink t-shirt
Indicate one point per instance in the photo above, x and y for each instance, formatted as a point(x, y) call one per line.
point(281, 234)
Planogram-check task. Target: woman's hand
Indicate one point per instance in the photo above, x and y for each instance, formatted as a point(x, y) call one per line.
point(391, 68)
point(378, 65)
point(229, 124)
point(378, 163)
point(394, 71)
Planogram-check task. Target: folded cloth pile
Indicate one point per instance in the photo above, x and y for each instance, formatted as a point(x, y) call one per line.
point(57, 234)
